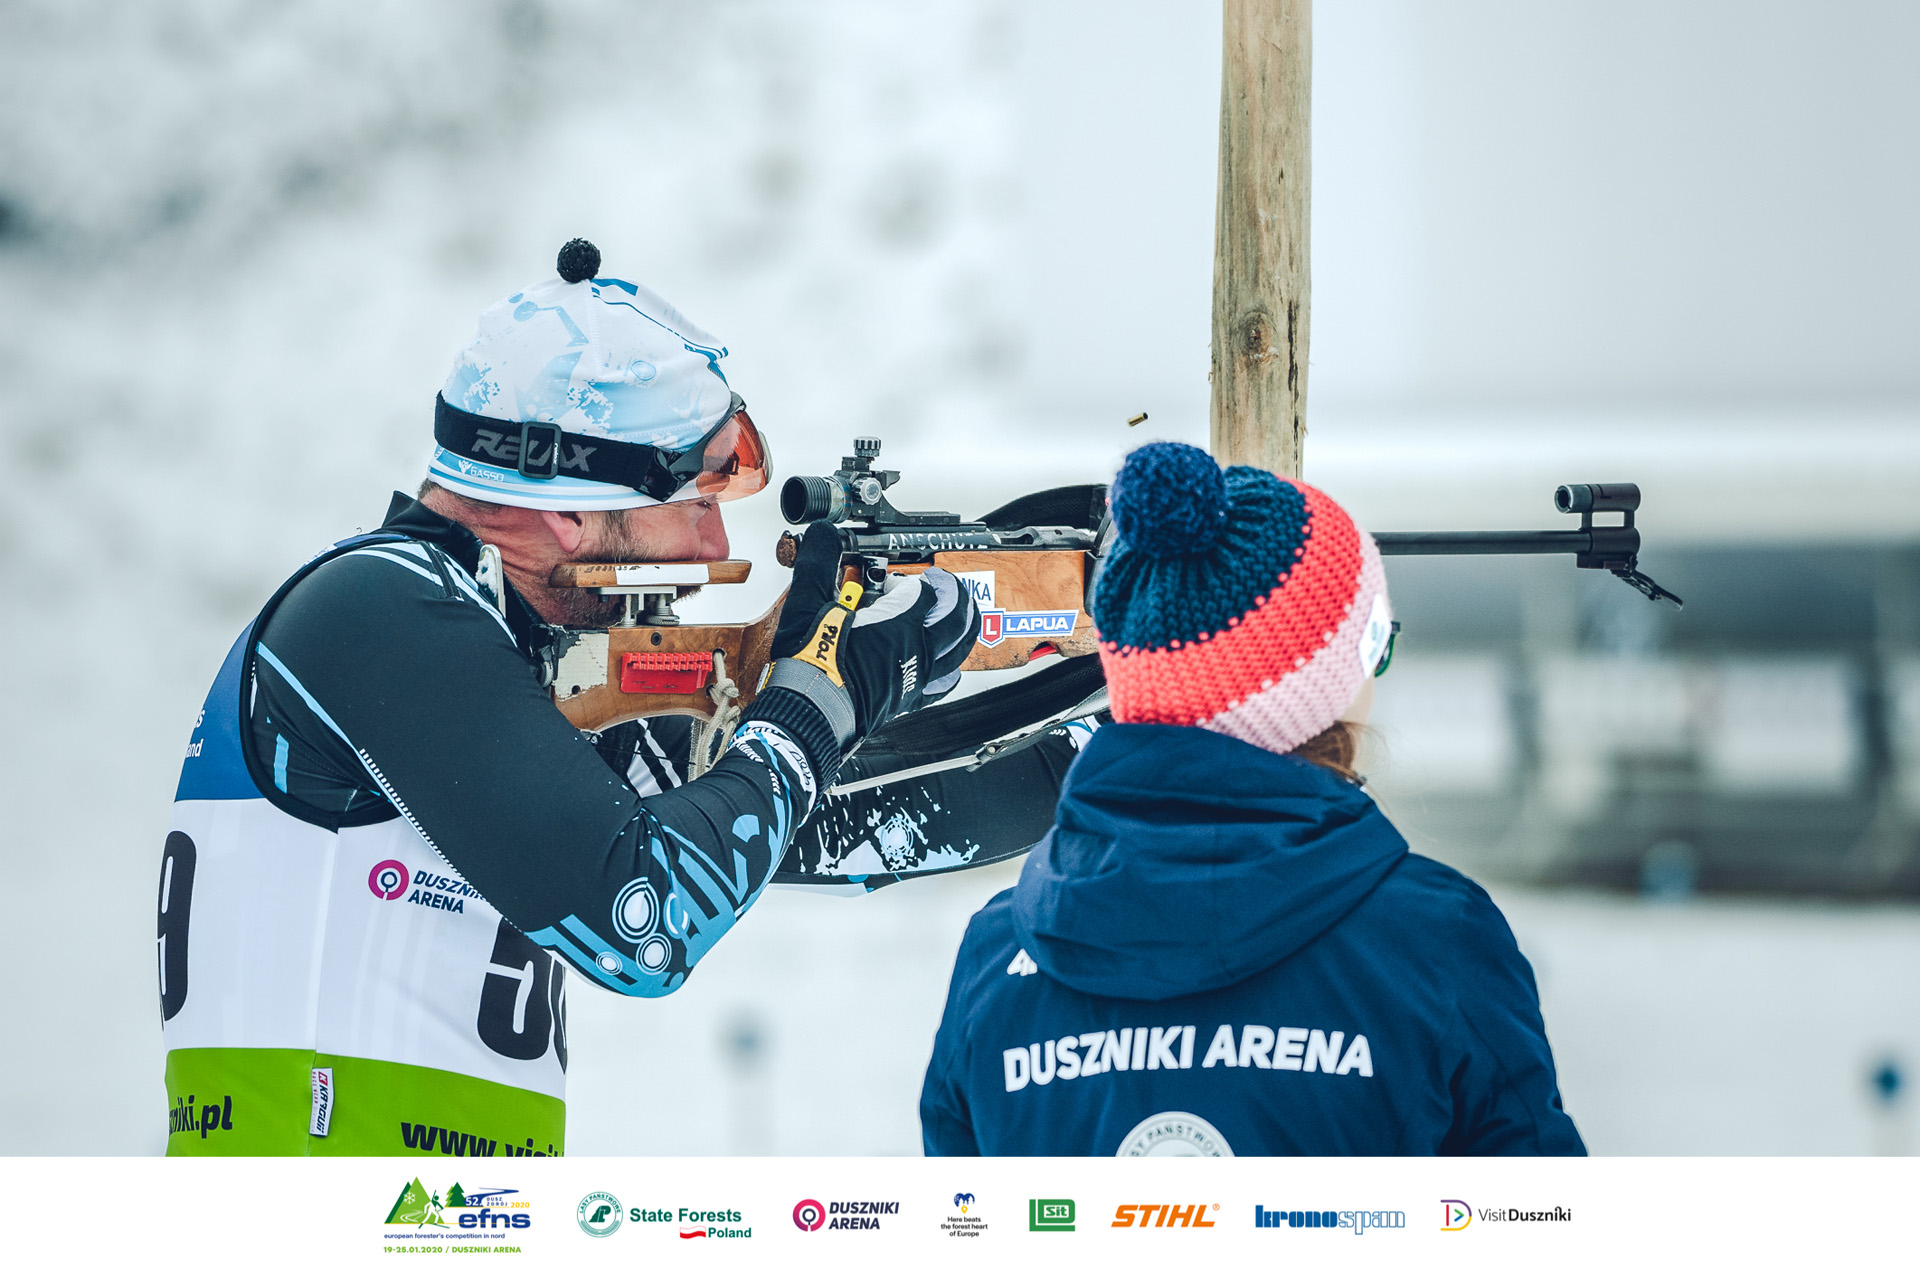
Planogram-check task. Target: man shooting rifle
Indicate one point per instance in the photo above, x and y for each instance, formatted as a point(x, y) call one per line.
point(385, 832)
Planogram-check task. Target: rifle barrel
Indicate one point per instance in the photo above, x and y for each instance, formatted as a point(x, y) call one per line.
point(1557, 542)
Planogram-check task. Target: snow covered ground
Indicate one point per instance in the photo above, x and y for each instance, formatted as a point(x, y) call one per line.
point(240, 244)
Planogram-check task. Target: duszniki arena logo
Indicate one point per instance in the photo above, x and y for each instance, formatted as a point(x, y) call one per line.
point(388, 880)
point(809, 1215)
point(1050, 1215)
point(599, 1214)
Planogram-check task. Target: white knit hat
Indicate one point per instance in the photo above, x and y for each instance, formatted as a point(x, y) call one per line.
point(599, 358)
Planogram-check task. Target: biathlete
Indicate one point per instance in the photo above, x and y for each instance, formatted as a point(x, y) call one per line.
point(388, 846)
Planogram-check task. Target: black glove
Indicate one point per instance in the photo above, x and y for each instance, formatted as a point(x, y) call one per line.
point(900, 652)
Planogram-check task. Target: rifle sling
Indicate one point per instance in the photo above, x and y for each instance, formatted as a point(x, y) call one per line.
point(963, 726)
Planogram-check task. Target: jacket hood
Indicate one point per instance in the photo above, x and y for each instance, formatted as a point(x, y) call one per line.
point(1183, 861)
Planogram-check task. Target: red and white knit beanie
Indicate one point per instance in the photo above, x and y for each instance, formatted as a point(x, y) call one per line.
point(1242, 602)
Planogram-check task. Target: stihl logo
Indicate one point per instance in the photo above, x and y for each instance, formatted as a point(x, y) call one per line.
point(1164, 1216)
point(506, 448)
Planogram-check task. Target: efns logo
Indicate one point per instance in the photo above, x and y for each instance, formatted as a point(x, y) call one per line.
point(388, 880)
point(422, 1209)
point(1050, 1215)
point(1454, 1215)
point(809, 1215)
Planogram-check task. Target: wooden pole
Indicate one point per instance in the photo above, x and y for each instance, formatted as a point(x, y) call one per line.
point(1260, 275)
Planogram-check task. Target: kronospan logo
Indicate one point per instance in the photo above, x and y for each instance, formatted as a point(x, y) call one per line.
point(1050, 1215)
point(1358, 1221)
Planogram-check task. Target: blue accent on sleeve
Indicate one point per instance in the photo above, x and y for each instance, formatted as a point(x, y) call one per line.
point(266, 655)
point(280, 763)
point(214, 767)
point(629, 978)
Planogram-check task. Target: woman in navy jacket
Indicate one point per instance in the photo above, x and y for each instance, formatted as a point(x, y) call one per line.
point(1223, 946)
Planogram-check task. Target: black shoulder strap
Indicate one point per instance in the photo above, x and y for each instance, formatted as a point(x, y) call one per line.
point(967, 724)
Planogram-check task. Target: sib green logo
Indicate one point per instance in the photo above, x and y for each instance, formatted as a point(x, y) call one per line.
point(1050, 1215)
point(599, 1214)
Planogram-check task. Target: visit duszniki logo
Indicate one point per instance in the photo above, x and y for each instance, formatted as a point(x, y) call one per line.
point(1457, 1215)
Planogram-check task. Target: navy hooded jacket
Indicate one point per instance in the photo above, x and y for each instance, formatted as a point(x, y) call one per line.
point(1221, 949)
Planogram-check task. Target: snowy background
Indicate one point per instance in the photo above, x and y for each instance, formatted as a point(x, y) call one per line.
point(240, 243)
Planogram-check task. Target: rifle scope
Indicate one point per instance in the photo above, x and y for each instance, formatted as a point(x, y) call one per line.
point(1582, 499)
point(805, 498)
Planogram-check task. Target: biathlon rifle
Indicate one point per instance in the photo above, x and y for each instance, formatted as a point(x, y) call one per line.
point(1027, 564)
point(1030, 566)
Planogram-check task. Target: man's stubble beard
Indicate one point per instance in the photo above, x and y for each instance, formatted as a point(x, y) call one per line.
point(616, 544)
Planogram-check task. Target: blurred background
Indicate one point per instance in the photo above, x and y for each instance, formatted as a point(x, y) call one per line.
point(240, 243)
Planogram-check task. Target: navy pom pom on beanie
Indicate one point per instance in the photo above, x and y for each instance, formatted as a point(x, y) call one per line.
point(1169, 499)
point(1241, 601)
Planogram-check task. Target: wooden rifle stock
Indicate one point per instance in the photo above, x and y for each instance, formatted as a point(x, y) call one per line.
point(1032, 602)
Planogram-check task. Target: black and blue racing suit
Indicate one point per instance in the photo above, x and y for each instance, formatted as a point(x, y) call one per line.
point(386, 834)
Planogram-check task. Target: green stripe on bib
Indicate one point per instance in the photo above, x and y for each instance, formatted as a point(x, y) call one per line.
point(267, 1101)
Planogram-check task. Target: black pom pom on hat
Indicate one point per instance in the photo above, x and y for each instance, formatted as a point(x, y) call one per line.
point(579, 260)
